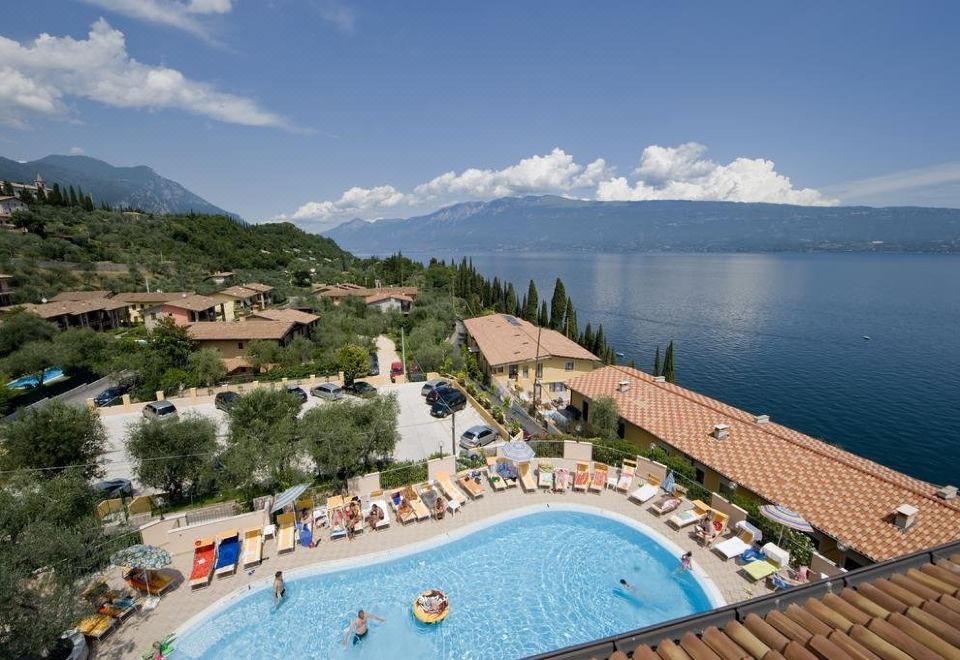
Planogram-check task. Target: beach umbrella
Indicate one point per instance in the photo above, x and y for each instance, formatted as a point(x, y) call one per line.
point(669, 483)
point(144, 557)
point(289, 496)
point(785, 518)
point(517, 451)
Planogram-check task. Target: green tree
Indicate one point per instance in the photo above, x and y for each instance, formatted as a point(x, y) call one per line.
point(263, 450)
point(599, 342)
point(604, 417)
point(543, 318)
point(32, 359)
point(171, 343)
point(8, 189)
point(532, 303)
point(301, 278)
point(668, 368)
point(586, 340)
point(657, 365)
point(570, 324)
point(205, 368)
point(173, 456)
point(21, 326)
point(84, 350)
point(299, 351)
point(26, 196)
point(72, 197)
point(262, 354)
point(53, 436)
point(347, 438)
point(88, 203)
point(56, 197)
point(558, 305)
point(353, 361)
point(40, 581)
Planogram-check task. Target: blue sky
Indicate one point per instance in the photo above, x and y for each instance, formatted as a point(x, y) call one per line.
point(325, 110)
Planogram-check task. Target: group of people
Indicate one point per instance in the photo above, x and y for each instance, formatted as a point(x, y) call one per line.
point(708, 529)
point(432, 602)
point(357, 628)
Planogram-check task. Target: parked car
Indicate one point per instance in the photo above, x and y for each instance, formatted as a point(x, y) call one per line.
point(298, 392)
point(374, 369)
point(433, 384)
point(330, 391)
point(160, 410)
point(448, 401)
point(478, 436)
point(224, 400)
point(396, 369)
point(114, 488)
point(432, 395)
point(109, 396)
point(361, 388)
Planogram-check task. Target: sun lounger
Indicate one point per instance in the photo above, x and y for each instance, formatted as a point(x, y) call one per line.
point(599, 480)
point(561, 480)
point(758, 570)
point(149, 581)
point(429, 496)
point(419, 508)
point(526, 477)
point(404, 514)
point(735, 546)
point(627, 471)
point(96, 626)
point(452, 492)
point(252, 546)
point(228, 553)
point(507, 471)
point(380, 504)
point(337, 517)
point(545, 475)
point(286, 532)
point(665, 504)
point(581, 478)
point(470, 485)
point(683, 518)
point(644, 493)
point(496, 481)
point(203, 558)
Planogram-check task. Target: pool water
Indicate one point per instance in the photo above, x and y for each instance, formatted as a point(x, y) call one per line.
point(50, 374)
point(529, 584)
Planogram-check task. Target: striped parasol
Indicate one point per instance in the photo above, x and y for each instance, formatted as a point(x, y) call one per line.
point(785, 518)
point(517, 451)
point(147, 557)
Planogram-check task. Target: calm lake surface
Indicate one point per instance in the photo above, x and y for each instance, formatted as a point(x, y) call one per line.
point(783, 335)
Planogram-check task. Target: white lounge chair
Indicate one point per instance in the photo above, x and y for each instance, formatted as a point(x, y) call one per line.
point(627, 471)
point(686, 517)
point(526, 477)
point(545, 475)
point(252, 546)
point(644, 494)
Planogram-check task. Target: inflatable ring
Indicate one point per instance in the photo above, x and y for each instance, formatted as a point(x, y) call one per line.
point(717, 525)
point(431, 617)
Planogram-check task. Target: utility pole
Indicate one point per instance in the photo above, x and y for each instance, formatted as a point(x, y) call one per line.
point(403, 352)
point(536, 373)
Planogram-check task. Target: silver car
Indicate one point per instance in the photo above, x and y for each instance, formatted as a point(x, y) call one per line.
point(330, 391)
point(478, 436)
point(431, 385)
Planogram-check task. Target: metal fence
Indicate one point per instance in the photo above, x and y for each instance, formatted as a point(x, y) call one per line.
point(210, 514)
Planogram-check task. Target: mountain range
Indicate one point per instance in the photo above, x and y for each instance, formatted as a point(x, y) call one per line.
point(130, 187)
point(557, 224)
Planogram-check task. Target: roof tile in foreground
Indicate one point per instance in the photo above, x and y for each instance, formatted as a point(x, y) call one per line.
point(845, 496)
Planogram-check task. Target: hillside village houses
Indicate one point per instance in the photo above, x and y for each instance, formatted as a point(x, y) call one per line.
point(230, 339)
point(32, 188)
point(519, 356)
point(9, 205)
point(383, 298)
point(185, 310)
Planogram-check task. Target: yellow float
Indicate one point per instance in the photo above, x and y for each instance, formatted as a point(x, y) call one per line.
point(431, 606)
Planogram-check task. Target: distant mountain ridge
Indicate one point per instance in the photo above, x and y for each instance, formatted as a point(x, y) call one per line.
point(134, 187)
point(557, 224)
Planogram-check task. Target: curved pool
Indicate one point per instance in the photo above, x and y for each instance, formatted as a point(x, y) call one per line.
point(539, 580)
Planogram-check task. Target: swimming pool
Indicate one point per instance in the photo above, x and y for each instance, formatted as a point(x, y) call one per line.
point(50, 374)
point(535, 581)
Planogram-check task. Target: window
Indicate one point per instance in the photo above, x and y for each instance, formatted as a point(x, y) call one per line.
point(568, 366)
point(621, 429)
point(526, 371)
point(700, 476)
point(240, 345)
point(499, 370)
point(557, 387)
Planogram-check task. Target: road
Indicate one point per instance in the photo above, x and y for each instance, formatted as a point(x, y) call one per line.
point(386, 354)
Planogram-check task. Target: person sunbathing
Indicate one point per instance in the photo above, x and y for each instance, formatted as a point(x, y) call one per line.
point(433, 602)
point(404, 509)
point(439, 509)
point(374, 517)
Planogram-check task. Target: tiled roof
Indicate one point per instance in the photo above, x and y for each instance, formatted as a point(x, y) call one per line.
point(239, 330)
point(294, 315)
point(843, 495)
point(69, 296)
point(150, 296)
point(256, 286)
point(910, 610)
point(195, 303)
point(341, 290)
point(237, 292)
point(505, 339)
point(74, 307)
point(225, 273)
point(378, 297)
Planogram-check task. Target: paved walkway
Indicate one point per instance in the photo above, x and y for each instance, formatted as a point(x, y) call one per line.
point(386, 354)
point(135, 635)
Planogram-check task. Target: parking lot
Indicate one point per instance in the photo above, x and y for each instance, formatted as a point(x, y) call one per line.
point(420, 434)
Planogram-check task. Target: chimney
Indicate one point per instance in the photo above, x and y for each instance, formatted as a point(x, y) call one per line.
point(947, 493)
point(623, 386)
point(720, 431)
point(761, 419)
point(905, 516)
point(659, 379)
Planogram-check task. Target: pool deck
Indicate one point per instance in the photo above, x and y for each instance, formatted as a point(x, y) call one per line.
point(135, 635)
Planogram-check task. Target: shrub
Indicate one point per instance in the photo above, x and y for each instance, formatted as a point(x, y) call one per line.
point(403, 473)
point(547, 448)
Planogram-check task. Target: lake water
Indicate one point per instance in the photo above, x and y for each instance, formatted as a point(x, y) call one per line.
point(783, 335)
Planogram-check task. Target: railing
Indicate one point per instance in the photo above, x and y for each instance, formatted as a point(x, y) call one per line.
point(209, 514)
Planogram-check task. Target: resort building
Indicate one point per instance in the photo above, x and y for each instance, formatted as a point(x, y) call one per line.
point(184, 311)
point(305, 322)
point(237, 301)
point(862, 512)
point(520, 356)
point(264, 293)
point(96, 314)
point(141, 300)
point(75, 296)
point(231, 339)
point(222, 277)
point(9, 205)
point(389, 302)
point(337, 292)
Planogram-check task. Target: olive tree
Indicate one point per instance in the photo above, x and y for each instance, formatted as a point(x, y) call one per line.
point(53, 436)
point(173, 455)
point(353, 361)
point(604, 417)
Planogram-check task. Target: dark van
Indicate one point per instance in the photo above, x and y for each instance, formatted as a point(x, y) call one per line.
point(448, 401)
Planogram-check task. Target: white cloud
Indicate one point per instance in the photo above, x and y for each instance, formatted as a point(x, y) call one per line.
point(38, 77)
point(340, 15)
point(172, 13)
point(664, 173)
point(922, 185)
point(682, 173)
point(76, 151)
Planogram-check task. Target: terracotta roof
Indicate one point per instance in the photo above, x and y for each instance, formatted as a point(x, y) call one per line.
point(239, 330)
point(225, 273)
point(74, 307)
point(505, 339)
point(378, 297)
point(150, 296)
point(256, 286)
point(907, 610)
point(341, 290)
point(236, 292)
point(295, 315)
point(843, 495)
point(67, 296)
point(8, 197)
point(195, 303)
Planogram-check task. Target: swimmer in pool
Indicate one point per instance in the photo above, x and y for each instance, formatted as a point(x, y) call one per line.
point(358, 627)
point(279, 589)
point(629, 587)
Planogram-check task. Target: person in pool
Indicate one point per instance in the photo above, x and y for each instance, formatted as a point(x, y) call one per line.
point(358, 627)
point(629, 587)
point(279, 589)
point(686, 562)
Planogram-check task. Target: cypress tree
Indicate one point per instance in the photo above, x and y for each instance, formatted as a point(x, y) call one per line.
point(587, 339)
point(41, 195)
point(72, 197)
point(632, 364)
point(104, 206)
point(543, 319)
point(88, 203)
point(79, 196)
point(570, 329)
point(668, 370)
point(510, 300)
point(26, 196)
point(599, 342)
point(56, 197)
point(558, 306)
point(8, 189)
point(657, 367)
point(533, 303)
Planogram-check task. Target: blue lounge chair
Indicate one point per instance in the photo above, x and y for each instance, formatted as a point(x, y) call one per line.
point(752, 554)
point(228, 553)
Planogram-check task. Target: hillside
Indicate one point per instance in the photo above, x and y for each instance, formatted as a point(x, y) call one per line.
point(130, 187)
point(71, 248)
point(558, 224)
